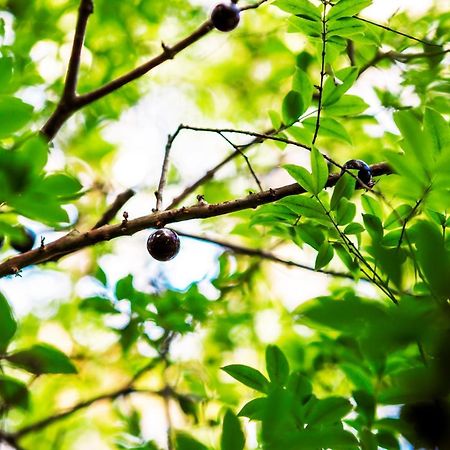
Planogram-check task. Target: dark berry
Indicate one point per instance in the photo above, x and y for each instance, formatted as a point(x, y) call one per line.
point(364, 172)
point(25, 242)
point(2, 240)
point(163, 244)
point(225, 17)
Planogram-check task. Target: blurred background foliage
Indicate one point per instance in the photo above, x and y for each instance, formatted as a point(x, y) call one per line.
point(128, 353)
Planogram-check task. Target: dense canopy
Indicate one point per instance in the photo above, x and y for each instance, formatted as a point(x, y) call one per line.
point(293, 157)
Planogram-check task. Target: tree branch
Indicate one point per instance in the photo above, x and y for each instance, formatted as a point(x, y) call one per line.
point(77, 241)
point(211, 172)
point(85, 9)
point(165, 166)
point(241, 250)
point(398, 56)
point(114, 208)
point(375, 24)
point(65, 109)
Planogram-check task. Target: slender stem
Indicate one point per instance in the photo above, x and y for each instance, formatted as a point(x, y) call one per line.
point(397, 32)
point(322, 71)
point(164, 169)
point(114, 208)
point(247, 161)
point(166, 54)
point(73, 242)
point(238, 249)
point(211, 172)
point(85, 9)
point(355, 251)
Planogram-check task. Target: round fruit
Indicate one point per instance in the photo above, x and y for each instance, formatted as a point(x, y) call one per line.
point(2, 240)
point(225, 17)
point(163, 244)
point(364, 172)
point(25, 242)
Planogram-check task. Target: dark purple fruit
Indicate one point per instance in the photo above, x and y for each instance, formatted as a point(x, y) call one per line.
point(364, 172)
point(25, 242)
point(2, 240)
point(225, 17)
point(163, 244)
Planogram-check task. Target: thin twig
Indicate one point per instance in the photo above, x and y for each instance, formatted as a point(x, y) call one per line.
point(398, 56)
point(164, 169)
point(85, 9)
point(250, 168)
point(396, 32)
point(73, 242)
point(211, 172)
point(322, 71)
point(253, 6)
point(379, 282)
point(238, 249)
point(123, 391)
point(114, 208)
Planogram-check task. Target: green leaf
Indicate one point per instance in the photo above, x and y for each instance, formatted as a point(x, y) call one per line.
point(301, 176)
point(14, 114)
point(13, 393)
point(303, 85)
point(347, 8)
point(6, 69)
point(277, 365)
point(433, 257)
point(354, 228)
point(311, 235)
point(292, 107)
point(42, 358)
point(100, 304)
point(302, 8)
point(305, 26)
point(305, 206)
point(124, 288)
point(347, 105)
point(60, 184)
point(232, 435)
point(396, 218)
point(387, 440)
point(184, 441)
point(39, 207)
point(344, 189)
point(324, 256)
point(254, 409)
point(319, 170)
point(328, 127)
point(345, 212)
point(345, 27)
point(328, 411)
point(373, 226)
point(371, 206)
point(8, 324)
point(275, 119)
point(301, 135)
point(248, 376)
point(436, 131)
point(300, 386)
point(335, 87)
point(35, 152)
point(350, 315)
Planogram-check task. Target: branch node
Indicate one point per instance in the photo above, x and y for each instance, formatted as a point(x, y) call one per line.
point(168, 51)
